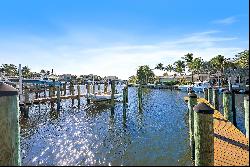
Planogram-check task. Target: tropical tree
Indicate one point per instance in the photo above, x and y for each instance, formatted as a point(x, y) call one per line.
point(9, 69)
point(189, 62)
point(159, 66)
point(197, 65)
point(26, 72)
point(132, 79)
point(219, 63)
point(242, 59)
point(145, 75)
point(179, 66)
point(169, 68)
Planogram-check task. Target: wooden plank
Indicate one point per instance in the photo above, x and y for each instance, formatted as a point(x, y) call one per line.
point(231, 147)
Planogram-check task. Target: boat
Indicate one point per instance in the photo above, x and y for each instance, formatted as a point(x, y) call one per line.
point(184, 88)
point(103, 97)
point(199, 86)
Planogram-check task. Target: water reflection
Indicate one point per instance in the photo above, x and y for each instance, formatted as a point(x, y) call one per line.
point(95, 135)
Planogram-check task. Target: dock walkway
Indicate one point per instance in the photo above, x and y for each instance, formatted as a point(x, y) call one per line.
point(231, 147)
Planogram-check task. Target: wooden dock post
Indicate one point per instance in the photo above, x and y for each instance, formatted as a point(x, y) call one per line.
point(78, 94)
point(58, 99)
point(93, 88)
point(105, 87)
point(26, 101)
point(126, 93)
point(112, 102)
point(10, 128)
point(227, 106)
point(210, 95)
point(64, 88)
point(215, 98)
point(246, 107)
point(124, 96)
point(191, 103)
point(36, 91)
point(99, 89)
point(233, 108)
point(44, 91)
point(88, 93)
point(203, 135)
point(72, 90)
point(50, 91)
point(205, 93)
point(140, 97)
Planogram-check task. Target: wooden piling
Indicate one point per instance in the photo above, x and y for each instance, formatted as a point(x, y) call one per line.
point(210, 95)
point(99, 89)
point(124, 96)
point(26, 101)
point(227, 106)
point(112, 102)
point(72, 92)
point(215, 98)
point(78, 94)
point(205, 93)
point(105, 87)
point(233, 108)
point(88, 93)
point(9, 126)
point(58, 99)
point(140, 97)
point(126, 93)
point(36, 91)
point(203, 135)
point(93, 88)
point(64, 88)
point(246, 107)
point(191, 103)
point(44, 91)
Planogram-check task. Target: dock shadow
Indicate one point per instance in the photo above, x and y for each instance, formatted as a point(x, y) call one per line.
point(231, 141)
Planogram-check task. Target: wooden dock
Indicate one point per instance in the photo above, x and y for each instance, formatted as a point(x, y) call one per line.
point(231, 147)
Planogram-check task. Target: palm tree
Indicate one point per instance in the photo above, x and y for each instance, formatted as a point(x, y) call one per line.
point(219, 64)
point(179, 66)
point(189, 62)
point(169, 68)
point(196, 65)
point(26, 72)
point(9, 69)
point(145, 74)
point(159, 66)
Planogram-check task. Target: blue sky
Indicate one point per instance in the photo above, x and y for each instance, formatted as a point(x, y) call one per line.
point(114, 37)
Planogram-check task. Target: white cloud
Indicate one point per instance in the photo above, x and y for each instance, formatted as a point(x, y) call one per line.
point(71, 55)
point(226, 21)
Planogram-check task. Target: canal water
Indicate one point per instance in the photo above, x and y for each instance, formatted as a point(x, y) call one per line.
point(92, 135)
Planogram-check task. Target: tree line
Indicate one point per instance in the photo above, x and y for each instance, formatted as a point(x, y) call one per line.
point(219, 65)
point(12, 70)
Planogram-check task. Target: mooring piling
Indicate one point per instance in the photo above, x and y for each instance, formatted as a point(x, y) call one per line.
point(140, 97)
point(10, 128)
point(210, 95)
point(203, 135)
point(78, 94)
point(26, 101)
point(205, 93)
point(112, 102)
point(215, 98)
point(227, 106)
point(246, 107)
point(58, 99)
point(191, 103)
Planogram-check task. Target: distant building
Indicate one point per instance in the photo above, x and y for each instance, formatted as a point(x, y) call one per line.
point(65, 77)
point(110, 78)
point(163, 79)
